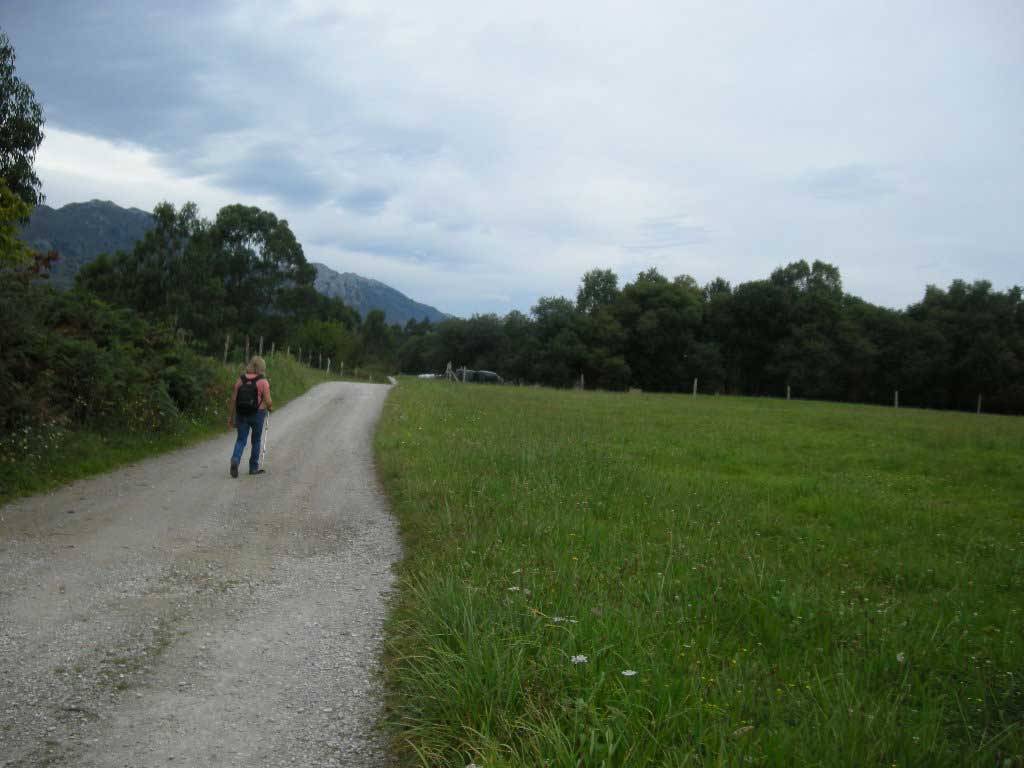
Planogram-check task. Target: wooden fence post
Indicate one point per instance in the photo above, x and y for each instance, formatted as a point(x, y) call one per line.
point(300, 354)
point(979, 404)
point(288, 350)
point(896, 399)
point(320, 360)
point(787, 392)
point(341, 370)
point(694, 387)
point(227, 346)
point(273, 346)
point(328, 366)
point(246, 348)
point(261, 346)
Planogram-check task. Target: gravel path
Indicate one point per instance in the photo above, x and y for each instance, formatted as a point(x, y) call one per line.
point(165, 614)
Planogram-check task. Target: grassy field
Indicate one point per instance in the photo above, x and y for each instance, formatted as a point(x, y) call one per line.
point(598, 579)
point(35, 460)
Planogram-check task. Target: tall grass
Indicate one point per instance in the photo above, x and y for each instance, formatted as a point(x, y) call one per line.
point(618, 580)
point(36, 459)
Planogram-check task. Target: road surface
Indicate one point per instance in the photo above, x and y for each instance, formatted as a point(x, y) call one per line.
point(168, 615)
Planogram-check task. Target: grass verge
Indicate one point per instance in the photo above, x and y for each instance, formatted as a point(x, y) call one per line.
point(39, 459)
point(638, 580)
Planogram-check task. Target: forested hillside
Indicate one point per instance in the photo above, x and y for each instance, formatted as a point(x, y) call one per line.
point(79, 232)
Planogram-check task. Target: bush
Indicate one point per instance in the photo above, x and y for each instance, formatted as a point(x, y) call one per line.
point(70, 359)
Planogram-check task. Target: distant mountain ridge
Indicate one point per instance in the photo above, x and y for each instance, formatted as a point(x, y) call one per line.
point(80, 232)
point(365, 294)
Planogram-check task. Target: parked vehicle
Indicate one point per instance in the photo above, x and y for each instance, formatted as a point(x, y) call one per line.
point(483, 377)
point(489, 377)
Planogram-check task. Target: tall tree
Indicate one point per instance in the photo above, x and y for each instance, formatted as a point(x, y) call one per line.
point(561, 349)
point(521, 343)
point(807, 354)
point(378, 340)
point(598, 290)
point(21, 130)
point(258, 258)
point(662, 319)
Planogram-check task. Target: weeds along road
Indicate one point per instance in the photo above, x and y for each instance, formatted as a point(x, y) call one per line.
point(165, 614)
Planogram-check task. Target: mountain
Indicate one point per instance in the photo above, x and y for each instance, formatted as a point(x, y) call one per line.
point(80, 232)
point(365, 294)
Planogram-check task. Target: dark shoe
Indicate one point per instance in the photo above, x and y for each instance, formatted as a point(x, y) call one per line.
point(234, 469)
point(258, 472)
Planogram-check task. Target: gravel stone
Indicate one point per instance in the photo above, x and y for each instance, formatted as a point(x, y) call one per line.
point(183, 617)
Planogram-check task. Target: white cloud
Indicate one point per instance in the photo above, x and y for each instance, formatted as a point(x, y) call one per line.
point(479, 156)
point(74, 167)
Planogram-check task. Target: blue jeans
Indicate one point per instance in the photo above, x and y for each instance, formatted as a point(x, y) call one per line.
point(253, 421)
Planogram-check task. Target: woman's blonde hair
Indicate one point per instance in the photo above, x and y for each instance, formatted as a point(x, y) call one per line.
point(257, 365)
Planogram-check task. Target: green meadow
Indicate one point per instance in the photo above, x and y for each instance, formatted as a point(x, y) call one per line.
point(597, 579)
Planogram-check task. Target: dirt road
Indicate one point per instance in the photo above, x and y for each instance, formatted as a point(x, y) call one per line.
point(167, 615)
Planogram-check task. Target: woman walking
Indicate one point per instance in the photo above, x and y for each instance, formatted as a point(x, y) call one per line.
point(250, 403)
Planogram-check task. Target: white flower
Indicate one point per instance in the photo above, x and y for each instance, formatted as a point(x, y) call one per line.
point(901, 657)
point(513, 589)
point(580, 659)
point(628, 672)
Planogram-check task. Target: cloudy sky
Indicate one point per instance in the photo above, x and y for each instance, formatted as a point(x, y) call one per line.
point(478, 156)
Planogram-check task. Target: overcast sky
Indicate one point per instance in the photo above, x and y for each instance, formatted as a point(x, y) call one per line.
point(477, 156)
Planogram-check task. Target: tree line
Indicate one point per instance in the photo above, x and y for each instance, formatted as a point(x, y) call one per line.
point(243, 274)
point(795, 330)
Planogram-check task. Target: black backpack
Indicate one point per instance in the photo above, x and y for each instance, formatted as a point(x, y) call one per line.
point(247, 402)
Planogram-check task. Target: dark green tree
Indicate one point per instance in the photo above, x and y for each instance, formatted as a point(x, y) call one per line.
point(258, 259)
point(561, 354)
point(377, 339)
point(806, 356)
point(21, 129)
point(330, 340)
point(521, 347)
point(662, 320)
point(598, 290)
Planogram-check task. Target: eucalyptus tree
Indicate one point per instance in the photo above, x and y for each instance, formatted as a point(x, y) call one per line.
point(21, 130)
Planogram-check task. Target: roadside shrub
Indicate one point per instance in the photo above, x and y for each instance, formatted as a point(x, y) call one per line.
point(70, 359)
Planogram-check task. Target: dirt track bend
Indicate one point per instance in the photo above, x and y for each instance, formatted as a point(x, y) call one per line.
point(167, 615)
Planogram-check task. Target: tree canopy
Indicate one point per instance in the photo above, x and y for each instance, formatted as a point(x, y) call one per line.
point(21, 130)
point(794, 330)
